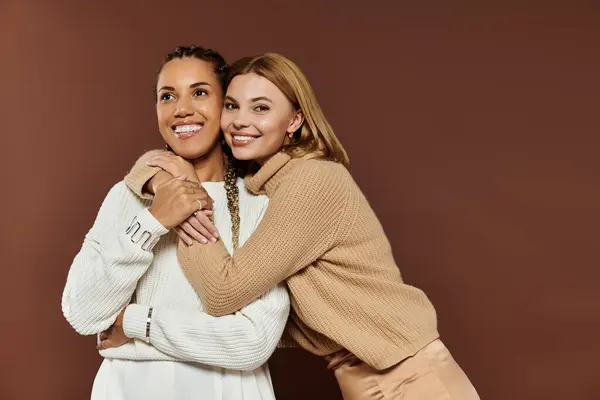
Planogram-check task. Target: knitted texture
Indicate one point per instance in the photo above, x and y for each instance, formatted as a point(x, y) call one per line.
point(110, 267)
point(320, 235)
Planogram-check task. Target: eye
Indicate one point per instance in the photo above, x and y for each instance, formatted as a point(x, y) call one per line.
point(166, 97)
point(229, 105)
point(261, 108)
point(200, 92)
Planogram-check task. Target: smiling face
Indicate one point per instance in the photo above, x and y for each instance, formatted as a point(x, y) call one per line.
point(257, 118)
point(188, 107)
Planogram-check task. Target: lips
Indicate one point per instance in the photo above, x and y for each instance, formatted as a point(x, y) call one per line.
point(242, 138)
point(185, 130)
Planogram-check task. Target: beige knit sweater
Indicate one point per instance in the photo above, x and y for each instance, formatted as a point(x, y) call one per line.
point(321, 236)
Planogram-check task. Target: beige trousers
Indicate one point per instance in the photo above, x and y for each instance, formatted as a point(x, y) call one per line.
point(431, 374)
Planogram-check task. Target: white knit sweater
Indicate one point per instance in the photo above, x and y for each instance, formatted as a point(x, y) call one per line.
point(113, 264)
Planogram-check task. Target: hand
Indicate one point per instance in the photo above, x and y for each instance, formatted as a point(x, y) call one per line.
point(174, 165)
point(199, 227)
point(115, 335)
point(157, 180)
point(177, 199)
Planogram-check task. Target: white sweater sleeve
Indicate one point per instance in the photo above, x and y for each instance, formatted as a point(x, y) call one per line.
point(243, 341)
point(116, 252)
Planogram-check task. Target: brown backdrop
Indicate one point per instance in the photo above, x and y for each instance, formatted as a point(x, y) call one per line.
point(473, 131)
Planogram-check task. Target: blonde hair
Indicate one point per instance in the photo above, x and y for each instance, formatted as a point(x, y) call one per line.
point(315, 138)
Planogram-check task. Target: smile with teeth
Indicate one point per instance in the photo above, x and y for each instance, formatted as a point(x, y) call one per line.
point(243, 138)
point(187, 129)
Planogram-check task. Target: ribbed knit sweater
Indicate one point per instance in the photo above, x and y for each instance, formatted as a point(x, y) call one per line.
point(320, 235)
point(112, 265)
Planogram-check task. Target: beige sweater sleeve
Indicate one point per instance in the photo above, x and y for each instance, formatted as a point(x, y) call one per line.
point(140, 174)
point(302, 222)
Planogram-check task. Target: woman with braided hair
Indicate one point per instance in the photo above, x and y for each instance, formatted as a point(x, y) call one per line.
point(126, 286)
point(319, 235)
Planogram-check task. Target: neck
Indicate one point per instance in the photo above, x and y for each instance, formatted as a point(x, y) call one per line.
point(211, 167)
point(263, 160)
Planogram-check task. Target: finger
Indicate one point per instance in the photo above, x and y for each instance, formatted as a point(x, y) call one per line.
point(208, 213)
point(103, 345)
point(203, 200)
point(166, 163)
point(184, 236)
point(177, 180)
point(170, 162)
point(199, 221)
point(194, 184)
point(205, 226)
point(193, 202)
point(195, 233)
point(161, 157)
point(170, 183)
point(185, 187)
point(160, 161)
point(209, 203)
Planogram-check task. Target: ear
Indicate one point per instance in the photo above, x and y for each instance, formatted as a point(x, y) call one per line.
point(296, 122)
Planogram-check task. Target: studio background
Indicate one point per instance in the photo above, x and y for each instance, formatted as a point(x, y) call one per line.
point(472, 129)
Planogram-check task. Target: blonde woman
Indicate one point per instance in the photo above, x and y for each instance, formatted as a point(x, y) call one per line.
point(163, 345)
point(320, 236)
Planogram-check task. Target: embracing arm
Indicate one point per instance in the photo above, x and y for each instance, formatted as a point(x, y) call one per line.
point(115, 253)
point(141, 174)
point(242, 341)
point(306, 215)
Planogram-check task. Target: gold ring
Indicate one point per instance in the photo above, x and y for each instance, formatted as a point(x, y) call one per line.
point(200, 204)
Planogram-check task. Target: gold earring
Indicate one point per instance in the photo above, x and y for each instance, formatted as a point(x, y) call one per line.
point(291, 134)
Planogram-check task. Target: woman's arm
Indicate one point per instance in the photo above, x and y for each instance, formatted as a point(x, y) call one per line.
point(141, 174)
point(242, 341)
point(115, 253)
point(144, 180)
point(306, 215)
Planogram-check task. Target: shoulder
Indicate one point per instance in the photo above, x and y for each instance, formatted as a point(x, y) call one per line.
point(118, 207)
point(316, 174)
point(120, 195)
point(318, 169)
point(324, 183)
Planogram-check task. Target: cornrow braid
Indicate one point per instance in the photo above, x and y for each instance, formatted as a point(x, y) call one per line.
point(233, 196)
point(220, 67)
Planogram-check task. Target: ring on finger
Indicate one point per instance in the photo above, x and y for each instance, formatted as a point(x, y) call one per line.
point(199, 204)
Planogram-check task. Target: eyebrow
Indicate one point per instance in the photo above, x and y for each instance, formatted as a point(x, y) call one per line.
point(252, 100)
point(255, 99)
point(193, 85)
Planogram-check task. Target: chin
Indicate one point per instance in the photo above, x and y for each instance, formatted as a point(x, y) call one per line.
point(244, 154)
point(192, 152)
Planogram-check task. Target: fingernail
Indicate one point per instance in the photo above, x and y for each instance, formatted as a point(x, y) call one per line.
point(216, 234)
point(214, 240)
point(204, 241)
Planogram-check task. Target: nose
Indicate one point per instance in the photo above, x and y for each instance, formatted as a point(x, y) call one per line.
point(184, 108)
point(239, 124)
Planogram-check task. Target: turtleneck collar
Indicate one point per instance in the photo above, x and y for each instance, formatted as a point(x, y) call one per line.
point(268, 177)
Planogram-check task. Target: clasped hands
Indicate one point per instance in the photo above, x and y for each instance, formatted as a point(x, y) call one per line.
point(180, 202)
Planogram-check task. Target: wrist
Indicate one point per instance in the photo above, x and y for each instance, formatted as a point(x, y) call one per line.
point(135, 321)
point(145, 229)
point(156, 215)
point(158, 179)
